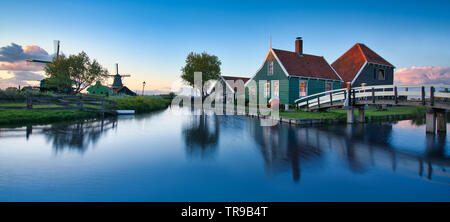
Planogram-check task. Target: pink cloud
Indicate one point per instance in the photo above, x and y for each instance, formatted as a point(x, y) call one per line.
point(21, 66)
point(422, 75)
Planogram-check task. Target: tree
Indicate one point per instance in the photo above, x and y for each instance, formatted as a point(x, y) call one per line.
point(74, 73)
point(209, 65)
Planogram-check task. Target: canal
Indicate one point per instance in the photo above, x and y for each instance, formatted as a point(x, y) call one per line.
point(174, 155)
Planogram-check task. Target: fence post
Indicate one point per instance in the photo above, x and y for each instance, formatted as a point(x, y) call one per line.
point(80, 105)
point(395, 95)
point(373, 95)
point(331, 99)
point(354, 97)
point(423, 95)
point(29, 101)
point(432, 96)
point(318, 101)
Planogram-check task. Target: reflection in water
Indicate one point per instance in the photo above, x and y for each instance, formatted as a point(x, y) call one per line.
point(73, 136)
point(77, 136)
point(201, 135)
point(360, 146)
point(282, 146)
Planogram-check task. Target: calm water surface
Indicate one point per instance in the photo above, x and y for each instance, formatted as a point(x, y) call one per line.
point(176, 156)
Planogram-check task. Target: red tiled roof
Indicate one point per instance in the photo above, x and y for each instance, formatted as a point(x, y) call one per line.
point(306, 65)
point(234, 78)
point(117, 90)
point(349, 64)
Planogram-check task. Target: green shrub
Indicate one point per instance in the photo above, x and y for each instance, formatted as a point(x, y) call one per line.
point(141, 104)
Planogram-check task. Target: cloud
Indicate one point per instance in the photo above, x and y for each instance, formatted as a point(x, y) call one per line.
point(12, 57)
point(14, 53)
point(423, 75)
point(22, 78)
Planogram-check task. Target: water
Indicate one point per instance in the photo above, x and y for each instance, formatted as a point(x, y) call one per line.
point(176, 156)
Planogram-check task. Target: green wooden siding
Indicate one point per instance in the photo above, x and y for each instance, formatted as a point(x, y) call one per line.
point(278, 74)
point(289, 86)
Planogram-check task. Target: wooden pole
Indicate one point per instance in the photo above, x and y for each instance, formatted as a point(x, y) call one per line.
point(331, 99)
point(432, 96)
point(29, 101)
point(423, 96)
point(395, 95)
point(373, 95)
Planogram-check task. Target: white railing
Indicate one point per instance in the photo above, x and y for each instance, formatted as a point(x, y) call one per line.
point(393, 92)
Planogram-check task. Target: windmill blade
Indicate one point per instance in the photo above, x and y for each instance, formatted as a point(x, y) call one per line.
point(56, 47)
point(125, 75)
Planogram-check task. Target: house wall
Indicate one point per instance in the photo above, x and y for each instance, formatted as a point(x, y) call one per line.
point(367, 75)
point(289, 86)
point(313, 86)
point(278, 74)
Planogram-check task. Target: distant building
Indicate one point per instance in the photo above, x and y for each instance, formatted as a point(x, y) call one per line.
point(99, 89)
point(362, 65)
point(225, 86)
point(292, 75)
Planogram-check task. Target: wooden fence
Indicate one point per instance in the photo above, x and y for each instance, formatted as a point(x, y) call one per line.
point(57, 103)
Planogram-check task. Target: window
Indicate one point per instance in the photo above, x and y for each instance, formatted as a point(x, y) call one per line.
point(252, 90)
point(328, 86)
point(380, 74)
point(302, 88)
point(275, 89)
point(270, 68)
point(267, 90)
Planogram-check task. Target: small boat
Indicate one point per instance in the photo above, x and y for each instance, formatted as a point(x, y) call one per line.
point(125, 112)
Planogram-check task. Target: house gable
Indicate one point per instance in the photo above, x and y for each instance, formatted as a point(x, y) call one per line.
point(354, 65)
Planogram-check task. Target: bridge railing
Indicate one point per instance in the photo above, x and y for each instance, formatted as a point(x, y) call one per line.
point(417, 93)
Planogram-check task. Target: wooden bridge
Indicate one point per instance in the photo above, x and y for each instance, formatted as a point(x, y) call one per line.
point(435, 97)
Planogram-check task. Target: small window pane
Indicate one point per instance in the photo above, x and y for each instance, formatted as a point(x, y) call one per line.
point(381, 74)
point(302, 88)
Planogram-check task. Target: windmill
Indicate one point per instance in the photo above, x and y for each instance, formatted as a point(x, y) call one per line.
point(55, 46)
point(117, 78)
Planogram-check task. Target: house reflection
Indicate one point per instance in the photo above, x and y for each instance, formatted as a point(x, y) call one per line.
point(291, 148)
point(201, 135)
point(283, 148)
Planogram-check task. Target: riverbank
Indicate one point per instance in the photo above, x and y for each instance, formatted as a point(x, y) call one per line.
point(23, 116)
point(140, 104)
point(342, 114)
point(333, 116)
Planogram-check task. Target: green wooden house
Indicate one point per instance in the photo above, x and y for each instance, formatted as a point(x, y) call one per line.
point(99, 89)
point(292, 75)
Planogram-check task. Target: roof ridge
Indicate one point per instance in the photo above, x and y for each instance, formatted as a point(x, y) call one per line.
point(362, 52)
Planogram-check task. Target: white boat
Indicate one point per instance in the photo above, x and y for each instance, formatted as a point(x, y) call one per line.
point(125, 112)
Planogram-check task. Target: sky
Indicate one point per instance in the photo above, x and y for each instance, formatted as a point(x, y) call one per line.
point(151, 39)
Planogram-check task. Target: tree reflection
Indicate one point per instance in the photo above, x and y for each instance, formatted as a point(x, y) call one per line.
point(201, 135)
point(77, 136)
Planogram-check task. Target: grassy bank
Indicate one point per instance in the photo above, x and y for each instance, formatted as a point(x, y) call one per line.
point(341, 114)
point(141, 104)
point(23, 116)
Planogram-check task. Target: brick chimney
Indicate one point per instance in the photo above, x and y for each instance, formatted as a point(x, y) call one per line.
point(299, 46)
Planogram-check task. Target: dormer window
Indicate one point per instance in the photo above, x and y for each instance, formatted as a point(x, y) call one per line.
point(270, 68)
point(380, 74)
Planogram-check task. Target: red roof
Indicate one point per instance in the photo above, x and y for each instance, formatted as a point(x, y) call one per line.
point(235, 78)
point(305, 65)
point(349, 64)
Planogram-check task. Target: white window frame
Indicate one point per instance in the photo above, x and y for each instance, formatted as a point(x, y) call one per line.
point(276, 88)
point(270, 68)
point(299, 88)
point(267, 90)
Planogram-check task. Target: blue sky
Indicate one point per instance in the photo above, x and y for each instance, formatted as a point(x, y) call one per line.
point(150, 39)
